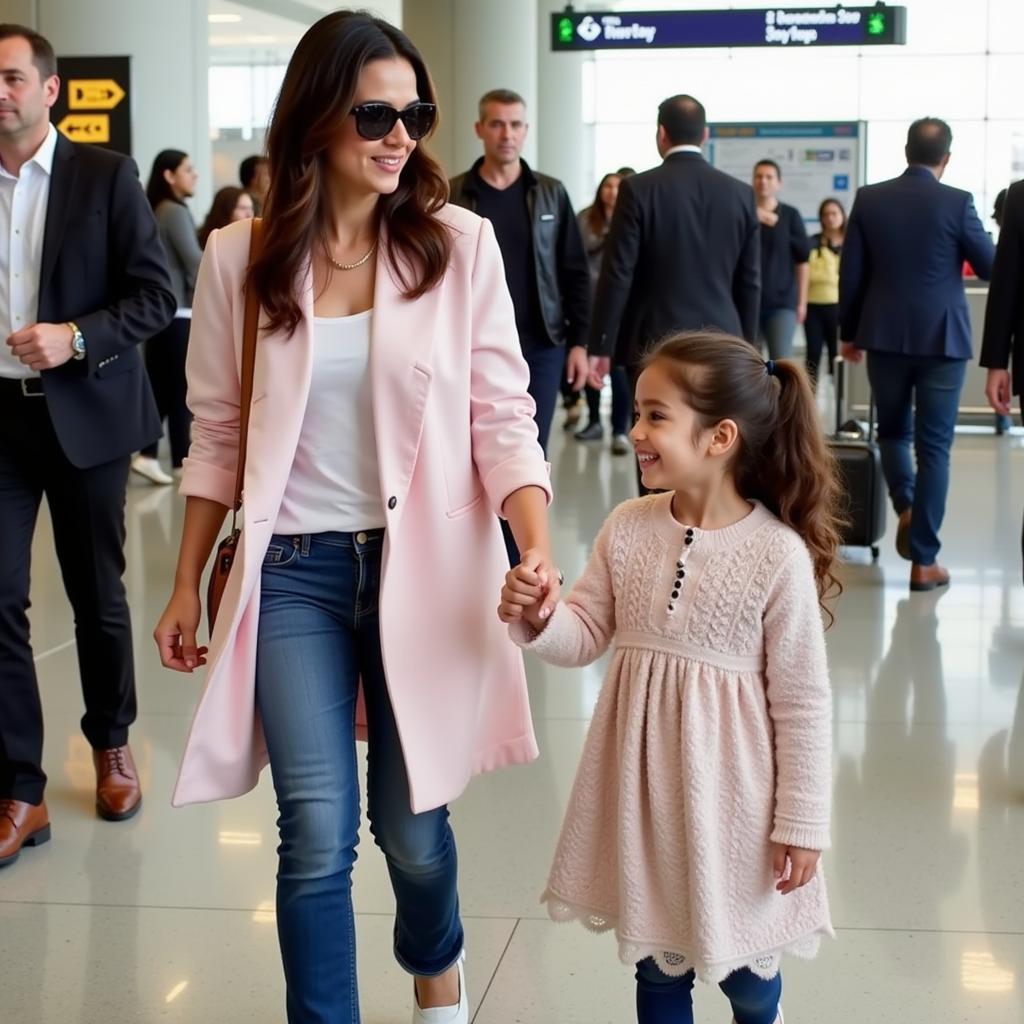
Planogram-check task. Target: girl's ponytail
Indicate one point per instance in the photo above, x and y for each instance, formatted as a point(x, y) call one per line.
point(796, 474)
point(783, 459)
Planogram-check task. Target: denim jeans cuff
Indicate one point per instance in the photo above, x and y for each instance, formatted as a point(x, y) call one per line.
point(429, 970)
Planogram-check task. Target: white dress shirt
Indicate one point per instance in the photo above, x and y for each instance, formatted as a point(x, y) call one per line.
point(23, 202)
point(684, 149)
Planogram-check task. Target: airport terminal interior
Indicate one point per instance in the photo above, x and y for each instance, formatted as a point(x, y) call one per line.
point(170, 916)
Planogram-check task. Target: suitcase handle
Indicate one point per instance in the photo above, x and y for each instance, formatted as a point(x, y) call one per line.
point(840, 381)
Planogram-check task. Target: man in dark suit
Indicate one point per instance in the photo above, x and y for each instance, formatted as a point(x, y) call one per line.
point(82, 282)
point(682, 251)
point(1004, 315)
point(901, 299)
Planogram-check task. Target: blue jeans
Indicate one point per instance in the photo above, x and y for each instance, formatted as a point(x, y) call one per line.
point(318, 633)
point(917, 399)
point(777, 327)
point(661, 999)
point(547, 371)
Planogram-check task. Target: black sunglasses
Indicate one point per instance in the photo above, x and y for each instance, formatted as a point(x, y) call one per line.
point(375, 120)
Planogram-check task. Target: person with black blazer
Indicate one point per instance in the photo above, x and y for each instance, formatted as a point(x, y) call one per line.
point(901, 298)
point(1003, 339)
point(82, 282)
point(682, 252)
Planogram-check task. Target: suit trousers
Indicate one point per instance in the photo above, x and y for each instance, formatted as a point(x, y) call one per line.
point(87, 513)
point(165, 364)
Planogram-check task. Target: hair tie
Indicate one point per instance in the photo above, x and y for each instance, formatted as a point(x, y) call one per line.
point(769, 367)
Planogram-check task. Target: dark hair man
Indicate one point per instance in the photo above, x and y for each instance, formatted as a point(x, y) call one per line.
point(77, 294)
point(901, 298)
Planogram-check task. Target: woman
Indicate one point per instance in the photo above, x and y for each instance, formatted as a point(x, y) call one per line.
point(594, 223)
point(370, 546)
point(231, 203)
point(822, 324)
point(172, 181)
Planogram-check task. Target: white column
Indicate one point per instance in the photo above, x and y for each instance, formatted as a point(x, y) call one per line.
point(169, 50)
point(472, 46)
point(565, 142)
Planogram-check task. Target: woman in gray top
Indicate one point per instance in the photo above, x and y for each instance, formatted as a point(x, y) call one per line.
point(171, 182)
point(594, 223)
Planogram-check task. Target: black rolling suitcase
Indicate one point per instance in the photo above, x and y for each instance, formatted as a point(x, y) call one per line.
point(860, 472)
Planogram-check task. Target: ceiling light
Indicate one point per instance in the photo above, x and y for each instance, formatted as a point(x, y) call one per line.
point(224, 19)
point(176, 991)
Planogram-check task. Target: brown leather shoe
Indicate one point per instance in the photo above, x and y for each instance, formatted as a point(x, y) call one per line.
point(928, 577)
point(903, 536)
point(21, 825)
point(118, 796)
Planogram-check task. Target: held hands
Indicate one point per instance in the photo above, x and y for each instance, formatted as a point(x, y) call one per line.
point(997, 391)
point(42, 346)
point(531, 590)
point(803, 864)
point(175, 633)
point(801, 313)
point(850, 352)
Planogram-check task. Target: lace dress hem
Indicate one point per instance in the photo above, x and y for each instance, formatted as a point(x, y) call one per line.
point(677, 962)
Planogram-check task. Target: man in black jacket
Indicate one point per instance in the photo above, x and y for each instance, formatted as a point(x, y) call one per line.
point(682, 252)
point(545, 265)
point(1004, 315)
point(82, 282)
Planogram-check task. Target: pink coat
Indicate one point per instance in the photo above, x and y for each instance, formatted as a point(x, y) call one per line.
point(455, 437)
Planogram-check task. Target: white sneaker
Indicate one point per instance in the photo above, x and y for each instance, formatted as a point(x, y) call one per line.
point(458, 1014)
point(151, 470)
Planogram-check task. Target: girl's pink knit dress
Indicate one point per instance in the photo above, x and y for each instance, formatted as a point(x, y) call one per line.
point(711, 738)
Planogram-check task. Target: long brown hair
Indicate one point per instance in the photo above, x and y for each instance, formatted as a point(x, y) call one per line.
point(316, 96)
point(783, 460)
point(597, 218)
point(222, 209)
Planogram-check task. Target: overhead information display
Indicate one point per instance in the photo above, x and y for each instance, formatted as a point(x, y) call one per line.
point(817, 160)
point(771, 27)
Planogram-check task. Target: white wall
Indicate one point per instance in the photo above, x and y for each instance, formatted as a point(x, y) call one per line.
point(964, 62)
point(168, 45)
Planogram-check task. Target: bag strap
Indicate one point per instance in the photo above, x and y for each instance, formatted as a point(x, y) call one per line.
point(250, 326)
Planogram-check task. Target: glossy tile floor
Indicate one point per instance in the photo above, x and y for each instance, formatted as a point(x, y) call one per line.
point(169, 917)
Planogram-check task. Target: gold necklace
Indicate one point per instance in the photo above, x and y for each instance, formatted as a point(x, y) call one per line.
point(350, 266)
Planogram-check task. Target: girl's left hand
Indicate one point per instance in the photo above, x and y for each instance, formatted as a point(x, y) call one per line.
point(534, 585)
point(803, 865)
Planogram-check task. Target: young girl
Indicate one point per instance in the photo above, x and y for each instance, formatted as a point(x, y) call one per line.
point(701, 803)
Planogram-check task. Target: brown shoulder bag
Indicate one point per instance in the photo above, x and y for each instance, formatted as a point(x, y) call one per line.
point(228, 547)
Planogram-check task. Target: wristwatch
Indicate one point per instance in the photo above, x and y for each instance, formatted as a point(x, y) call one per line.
point(77, 341)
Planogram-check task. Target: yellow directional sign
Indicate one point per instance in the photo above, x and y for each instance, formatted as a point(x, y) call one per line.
point(93, 128)
point(94, 94)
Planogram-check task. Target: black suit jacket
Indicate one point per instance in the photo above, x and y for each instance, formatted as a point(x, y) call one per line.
point(682, 254)
point(104, 268)
point(1004, 314)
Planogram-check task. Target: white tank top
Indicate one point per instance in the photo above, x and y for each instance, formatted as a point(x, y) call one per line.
point(334, 483)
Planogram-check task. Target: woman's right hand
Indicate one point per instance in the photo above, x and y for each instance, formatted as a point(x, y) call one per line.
point(175, 633)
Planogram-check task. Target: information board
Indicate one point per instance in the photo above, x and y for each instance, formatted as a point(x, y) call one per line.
point(94, 104)
point(879, 25)
point(817, 160)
